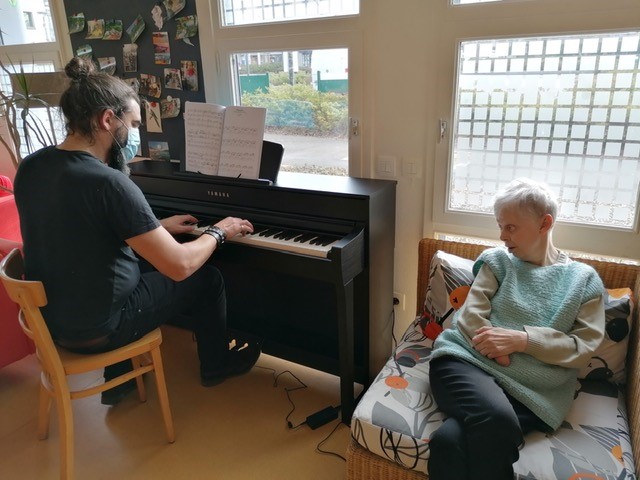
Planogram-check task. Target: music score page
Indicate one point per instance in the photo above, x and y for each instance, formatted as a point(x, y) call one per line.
point(225, 141)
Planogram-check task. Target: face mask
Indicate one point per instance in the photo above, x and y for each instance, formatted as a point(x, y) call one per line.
point(130, 147)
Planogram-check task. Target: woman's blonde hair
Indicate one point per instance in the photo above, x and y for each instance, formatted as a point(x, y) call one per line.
point(530, 195)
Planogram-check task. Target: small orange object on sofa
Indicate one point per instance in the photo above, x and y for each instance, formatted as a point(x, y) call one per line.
point(14, 344)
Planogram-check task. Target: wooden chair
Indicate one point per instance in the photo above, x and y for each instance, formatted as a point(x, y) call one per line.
point(57, 362)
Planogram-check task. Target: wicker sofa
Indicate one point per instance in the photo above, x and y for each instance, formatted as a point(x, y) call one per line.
point(386, 452)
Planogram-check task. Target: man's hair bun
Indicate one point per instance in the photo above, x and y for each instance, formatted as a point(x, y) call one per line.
point(79, 69)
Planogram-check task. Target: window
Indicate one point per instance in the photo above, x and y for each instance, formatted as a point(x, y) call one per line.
point(18, 27)
point(33, 50)
point(28, 20)
point(524, 100)
point(303, 73)
point(306, 97)
point(46, 119)
point(246, 12)
point(564, 110)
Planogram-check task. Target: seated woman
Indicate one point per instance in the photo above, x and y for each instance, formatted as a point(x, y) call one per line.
point(508, 366)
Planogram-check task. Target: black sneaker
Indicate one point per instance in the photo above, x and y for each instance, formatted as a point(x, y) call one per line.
point(115, 395)
point(240, 359)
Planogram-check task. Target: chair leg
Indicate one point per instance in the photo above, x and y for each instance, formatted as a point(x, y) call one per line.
point(44, 410)
point(65, 420)
point(142, 392)
point(163, 397)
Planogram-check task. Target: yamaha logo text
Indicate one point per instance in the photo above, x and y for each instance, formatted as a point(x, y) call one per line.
point(215, 193)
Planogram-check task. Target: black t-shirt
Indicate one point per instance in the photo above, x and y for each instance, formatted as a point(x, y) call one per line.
point(75, 215)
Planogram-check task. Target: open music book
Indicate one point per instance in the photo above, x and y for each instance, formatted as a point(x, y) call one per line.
point(224, 141)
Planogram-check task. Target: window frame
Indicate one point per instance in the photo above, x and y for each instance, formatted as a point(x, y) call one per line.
point(318, 33)
point(54, 52)
point(497, 20)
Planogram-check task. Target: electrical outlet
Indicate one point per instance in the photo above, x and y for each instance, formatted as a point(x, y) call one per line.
point(411, 167)
point(401, 298)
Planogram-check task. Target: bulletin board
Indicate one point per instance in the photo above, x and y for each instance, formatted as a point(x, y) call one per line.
point(153, 60)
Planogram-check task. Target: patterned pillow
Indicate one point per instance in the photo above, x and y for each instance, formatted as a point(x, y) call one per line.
point(449, 280)
point(608, 361)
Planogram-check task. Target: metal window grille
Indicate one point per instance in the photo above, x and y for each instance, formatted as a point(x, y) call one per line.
point(564, 110)
point(245, 12)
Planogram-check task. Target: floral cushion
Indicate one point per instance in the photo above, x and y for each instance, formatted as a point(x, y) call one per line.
point(397, 415)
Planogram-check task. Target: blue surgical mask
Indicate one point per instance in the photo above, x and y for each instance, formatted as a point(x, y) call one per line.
point(130, 148)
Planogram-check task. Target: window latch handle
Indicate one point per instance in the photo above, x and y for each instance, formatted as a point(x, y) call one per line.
point(443, 129)
point(354, 127)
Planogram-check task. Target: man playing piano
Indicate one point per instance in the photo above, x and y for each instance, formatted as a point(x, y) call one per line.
point(83, 223)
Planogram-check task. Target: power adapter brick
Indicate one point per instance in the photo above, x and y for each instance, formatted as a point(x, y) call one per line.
point(322, 417)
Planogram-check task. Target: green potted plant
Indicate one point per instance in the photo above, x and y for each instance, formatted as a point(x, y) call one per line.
point(27, 111)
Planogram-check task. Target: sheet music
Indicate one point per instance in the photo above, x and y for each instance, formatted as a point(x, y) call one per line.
point(242, 137)
point(203, 125)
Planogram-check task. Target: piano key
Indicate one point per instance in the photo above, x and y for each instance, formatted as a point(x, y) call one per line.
point(278, 238)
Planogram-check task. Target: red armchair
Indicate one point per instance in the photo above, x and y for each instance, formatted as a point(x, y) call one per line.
point(14, 344)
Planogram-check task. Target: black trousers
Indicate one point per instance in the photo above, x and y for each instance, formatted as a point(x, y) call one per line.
point(485, 425)
point(158, 299)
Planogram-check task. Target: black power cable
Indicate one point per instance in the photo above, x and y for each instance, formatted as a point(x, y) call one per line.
point(314, 420)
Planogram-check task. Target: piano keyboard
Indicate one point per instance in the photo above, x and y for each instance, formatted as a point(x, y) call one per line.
point(284, 239)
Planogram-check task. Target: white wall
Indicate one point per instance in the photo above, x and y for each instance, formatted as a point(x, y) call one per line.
point(399, 100)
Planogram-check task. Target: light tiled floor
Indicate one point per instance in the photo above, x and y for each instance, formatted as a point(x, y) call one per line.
point(236, 430)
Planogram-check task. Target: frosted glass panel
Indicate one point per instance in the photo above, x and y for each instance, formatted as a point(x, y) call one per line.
point(563, 110)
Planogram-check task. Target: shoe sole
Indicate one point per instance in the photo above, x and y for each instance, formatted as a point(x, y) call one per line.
point(217, 381)
point(113, 398)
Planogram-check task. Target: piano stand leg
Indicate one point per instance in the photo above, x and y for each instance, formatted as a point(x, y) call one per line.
point(345, 305)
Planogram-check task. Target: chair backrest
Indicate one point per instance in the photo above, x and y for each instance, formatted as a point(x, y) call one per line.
point(30, 296)
point(270, 160)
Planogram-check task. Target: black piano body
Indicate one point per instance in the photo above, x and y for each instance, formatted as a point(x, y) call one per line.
point(330, 313)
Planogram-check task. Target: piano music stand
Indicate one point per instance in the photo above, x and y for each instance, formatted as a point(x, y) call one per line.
point(270, 160)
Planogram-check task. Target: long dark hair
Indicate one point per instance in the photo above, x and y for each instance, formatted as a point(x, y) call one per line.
point(90, 93)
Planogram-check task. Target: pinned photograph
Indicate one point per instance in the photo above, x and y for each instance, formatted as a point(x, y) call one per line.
point(186, 27)
point(169, 107)
point(95, 29)
point(130, 57)
point(76, 22)
point(107, 65)
point(153, 121)
point(135, 29)
point(161, 48)
point(172, 78)
point(173, 7)
point(159, 151)
point(158, 15)
point(85, 52)
point(189, 70)
point(150, 85)
point(134, 83)
point(112, 30)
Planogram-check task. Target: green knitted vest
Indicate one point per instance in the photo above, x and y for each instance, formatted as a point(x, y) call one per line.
point(531, 295)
